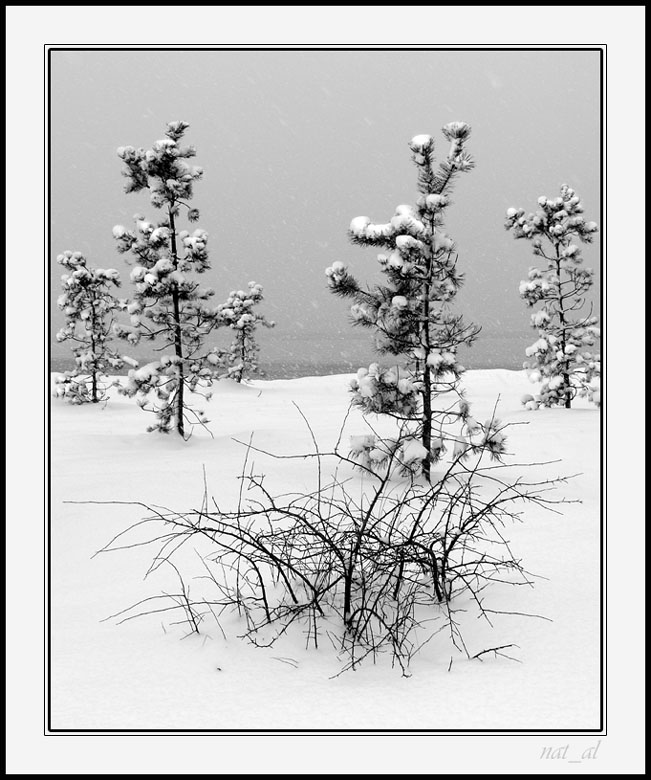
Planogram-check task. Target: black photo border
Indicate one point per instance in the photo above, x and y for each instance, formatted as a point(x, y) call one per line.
point(48, 729)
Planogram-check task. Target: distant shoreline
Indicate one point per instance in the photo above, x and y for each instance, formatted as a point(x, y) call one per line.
point(314, 354)
point(288, 369)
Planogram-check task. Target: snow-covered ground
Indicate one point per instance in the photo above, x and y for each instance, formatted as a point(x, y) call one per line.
point(144, 674)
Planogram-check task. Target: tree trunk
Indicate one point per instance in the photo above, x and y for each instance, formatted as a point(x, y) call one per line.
point(178, 343)
point(561, 317)
point(240, 374)
point(426, 437)
point(94, 397)
point(568, 397)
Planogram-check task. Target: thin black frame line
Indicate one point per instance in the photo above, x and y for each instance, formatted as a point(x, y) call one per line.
point(603, 569)
point(209, 47)
point(48, 292)
point(602, 49)
point(316, 732)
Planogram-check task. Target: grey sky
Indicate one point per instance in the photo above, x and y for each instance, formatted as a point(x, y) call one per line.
point(295, 144)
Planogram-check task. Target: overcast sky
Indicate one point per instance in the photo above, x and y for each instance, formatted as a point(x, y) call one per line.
point(294, 144)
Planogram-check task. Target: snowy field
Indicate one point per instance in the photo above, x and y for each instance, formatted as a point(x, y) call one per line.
point(150, 674)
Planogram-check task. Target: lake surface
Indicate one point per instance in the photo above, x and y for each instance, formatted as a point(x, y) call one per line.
point(317, 355)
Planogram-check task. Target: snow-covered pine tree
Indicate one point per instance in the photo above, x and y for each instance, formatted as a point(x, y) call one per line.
point(168, 303)
point(559, 360)
point(238, 313)
point(412, 317)
point(89, 305)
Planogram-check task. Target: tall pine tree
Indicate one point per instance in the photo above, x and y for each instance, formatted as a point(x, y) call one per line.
point(412, 317)
point(559, 360)
point(168, 304)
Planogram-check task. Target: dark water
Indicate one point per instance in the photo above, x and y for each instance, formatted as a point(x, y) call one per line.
point(291, 370)
point(314, 355)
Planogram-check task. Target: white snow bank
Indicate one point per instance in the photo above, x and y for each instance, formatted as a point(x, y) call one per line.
point(140, 675)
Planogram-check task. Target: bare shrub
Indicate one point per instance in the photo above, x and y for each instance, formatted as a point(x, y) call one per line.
point(374, 563)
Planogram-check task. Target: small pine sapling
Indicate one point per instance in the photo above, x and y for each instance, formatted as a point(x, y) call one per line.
point(89, 305)
point(241, 358)
point(559, 360)
point(411, 316)
point(168, 303)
